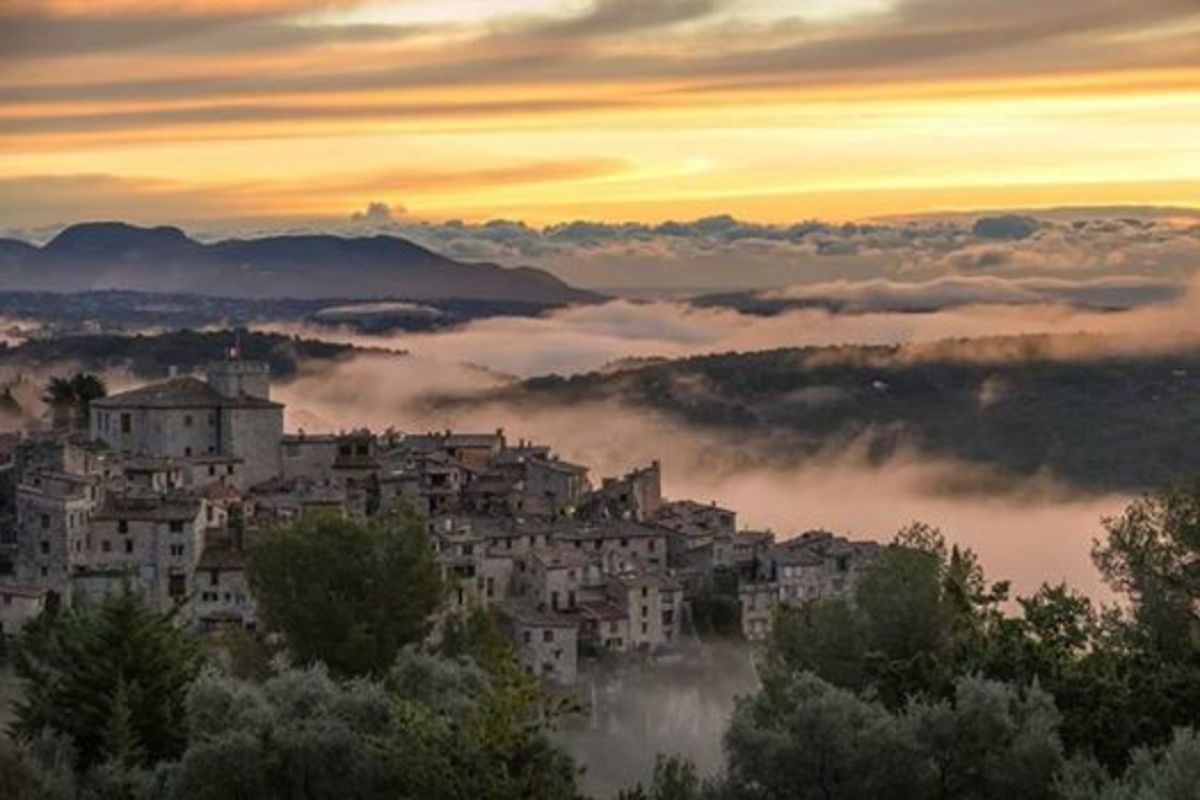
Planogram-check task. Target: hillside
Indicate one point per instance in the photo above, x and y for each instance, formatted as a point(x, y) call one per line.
point(1116, 422)
point(113, 255)
point(152, 356)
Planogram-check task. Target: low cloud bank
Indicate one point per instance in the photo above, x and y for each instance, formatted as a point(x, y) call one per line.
point(585, 338)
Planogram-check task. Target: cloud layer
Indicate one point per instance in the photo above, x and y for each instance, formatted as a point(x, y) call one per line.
point(763, 108)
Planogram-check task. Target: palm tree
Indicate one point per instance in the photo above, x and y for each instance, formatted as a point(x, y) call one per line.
point(70, 398)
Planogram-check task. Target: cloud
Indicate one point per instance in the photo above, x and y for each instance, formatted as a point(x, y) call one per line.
point(1009, 226)
point(376, 213)
point(881, 294)
point(917, 39)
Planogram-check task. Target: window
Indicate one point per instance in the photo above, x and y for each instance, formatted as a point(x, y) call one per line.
point(547, 635)
point(129, 545)
point(214, 577)
point(45, 520)
point(527, 636)
point(612, 627)
point(645, 628)
point(187, 452)
point(126, 423)
point(176, 526)
point(491, 587)
point(176, 585)
point(122, 526)
point(187, 420)
point(645, 591)
point(212, 470)
point(45, 547)
point(624, 542)
point(650, 545)
point(645, 611)
point(106, 545)
point(177, 550)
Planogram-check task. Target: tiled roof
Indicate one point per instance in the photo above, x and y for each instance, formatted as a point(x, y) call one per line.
point(185, 392)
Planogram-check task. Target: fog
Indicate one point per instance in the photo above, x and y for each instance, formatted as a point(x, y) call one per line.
point(584, 338)
point(1030, 531)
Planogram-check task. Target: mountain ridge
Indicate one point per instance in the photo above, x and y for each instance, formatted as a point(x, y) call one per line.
point(119, 255)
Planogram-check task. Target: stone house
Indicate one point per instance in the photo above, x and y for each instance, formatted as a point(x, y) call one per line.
point(547, 644)
point(230, 414)
point(20, 605)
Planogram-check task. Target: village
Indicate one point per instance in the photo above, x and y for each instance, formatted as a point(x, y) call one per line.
point(165, 486)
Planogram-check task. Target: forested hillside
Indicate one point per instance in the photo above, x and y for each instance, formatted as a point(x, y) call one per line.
point(1022, 405)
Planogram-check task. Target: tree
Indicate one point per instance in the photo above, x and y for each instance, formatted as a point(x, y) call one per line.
point(432, 729)
point(113, 680)
point(70, 398)
point(1152, 555)
point(298, 736)
point(920, 616)
point(346, 593)
point(801, 737)
point(463, 732)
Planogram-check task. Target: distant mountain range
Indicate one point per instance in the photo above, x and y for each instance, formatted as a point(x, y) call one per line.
point(115, 255)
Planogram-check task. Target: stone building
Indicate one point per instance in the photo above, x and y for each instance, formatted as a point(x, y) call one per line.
point(812, 566)
point(636, 495)
point(547, 644)
point(229, 414)
point(20, 605)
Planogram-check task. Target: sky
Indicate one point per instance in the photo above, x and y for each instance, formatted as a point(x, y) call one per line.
point(200, 111)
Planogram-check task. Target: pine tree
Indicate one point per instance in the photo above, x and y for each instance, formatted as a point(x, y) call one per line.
point(114, 680)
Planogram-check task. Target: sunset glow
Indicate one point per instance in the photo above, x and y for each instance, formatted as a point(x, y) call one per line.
point(548, 110)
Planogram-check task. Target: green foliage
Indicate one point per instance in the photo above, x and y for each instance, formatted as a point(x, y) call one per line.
point(70, 398)
point(918, 620)
point(1084, 420)
point(113, 680)
point(345, 593)
point(39, 769)
point(299, 736)
point(802, 737)
point(433, 729)
point(1151, 555)
point(922, 617)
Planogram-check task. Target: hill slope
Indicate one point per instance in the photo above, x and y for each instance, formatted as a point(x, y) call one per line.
point(114, 255)
point(1115, 422)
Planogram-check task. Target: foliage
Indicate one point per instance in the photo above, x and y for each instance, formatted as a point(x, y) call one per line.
point(433, 729)
point(1084, 420)
point(801, 737)
point(346, 593)
point(922, 617)
point(113, 680)
point(1152, 555)
point(300, 736)
point(915, 623)
point(70, 398)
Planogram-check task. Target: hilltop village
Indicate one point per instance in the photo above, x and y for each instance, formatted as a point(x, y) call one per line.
point(168, 484)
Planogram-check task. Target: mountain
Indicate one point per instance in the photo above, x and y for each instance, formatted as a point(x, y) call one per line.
point(115, 255)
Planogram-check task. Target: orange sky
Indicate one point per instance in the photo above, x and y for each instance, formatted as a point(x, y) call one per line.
point(547, 110)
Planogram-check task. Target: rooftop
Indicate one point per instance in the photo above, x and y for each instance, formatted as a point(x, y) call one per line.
point(184, 392)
